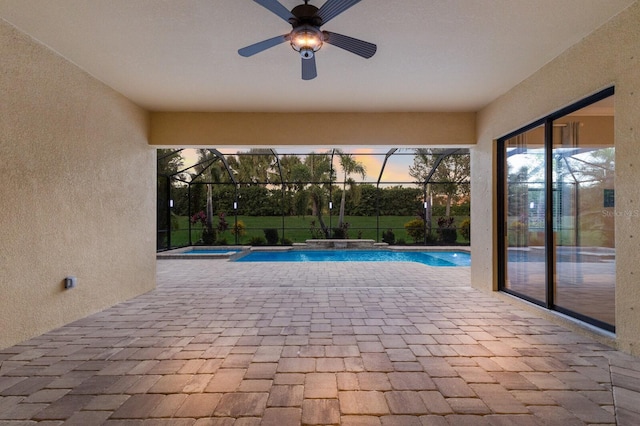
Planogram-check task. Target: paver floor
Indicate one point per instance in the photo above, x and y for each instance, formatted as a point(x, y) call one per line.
point(220, 343)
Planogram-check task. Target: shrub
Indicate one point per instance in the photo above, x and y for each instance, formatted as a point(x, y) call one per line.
point(338, 233)
point(389, 237)
point(271, 235)
point(518, 233)
point(448, 235)
point(446, 230)
point(415, 229)
point(465, 229)
point(239, 229)
point(341, 232)
point(517, 226)
point(208, 233)
point(208, 236)
point(287, 242)
point(316, 232)
point(445, 222)
point(223, 225)
point(257, 241)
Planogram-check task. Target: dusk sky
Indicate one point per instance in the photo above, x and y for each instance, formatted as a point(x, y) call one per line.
point(396, 170)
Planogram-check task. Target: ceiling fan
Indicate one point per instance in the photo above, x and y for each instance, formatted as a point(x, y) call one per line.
point(306, 36)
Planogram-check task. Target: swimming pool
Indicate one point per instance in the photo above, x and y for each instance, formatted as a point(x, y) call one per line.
point(431, 258)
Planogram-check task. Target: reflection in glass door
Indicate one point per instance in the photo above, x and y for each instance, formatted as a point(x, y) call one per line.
point(583, 216)
point(524, 208)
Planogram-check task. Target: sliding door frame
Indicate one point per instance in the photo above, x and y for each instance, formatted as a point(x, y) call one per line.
point(550, 252)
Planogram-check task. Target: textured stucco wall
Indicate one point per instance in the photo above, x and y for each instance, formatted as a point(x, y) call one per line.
point(609, 56)
point(323, 129)
point(77, 192)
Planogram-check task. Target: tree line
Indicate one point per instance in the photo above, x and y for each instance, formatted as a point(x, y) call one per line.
point(258, 185)
point(259, 200)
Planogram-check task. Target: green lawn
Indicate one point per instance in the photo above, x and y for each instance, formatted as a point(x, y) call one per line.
point(297, 229)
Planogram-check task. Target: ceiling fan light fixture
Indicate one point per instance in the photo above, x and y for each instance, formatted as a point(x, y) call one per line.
point(307, 40)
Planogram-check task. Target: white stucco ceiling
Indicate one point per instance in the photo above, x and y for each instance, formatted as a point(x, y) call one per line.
point(433, 55)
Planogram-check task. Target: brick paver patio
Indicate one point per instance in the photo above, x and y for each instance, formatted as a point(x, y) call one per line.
point(221, 343)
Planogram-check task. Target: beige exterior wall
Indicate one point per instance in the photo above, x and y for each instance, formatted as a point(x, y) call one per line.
point(609, 56)
point(77, 191)
point(321, 129)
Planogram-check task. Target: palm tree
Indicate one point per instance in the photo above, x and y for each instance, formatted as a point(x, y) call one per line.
point(216, 176)
point(318, 173)
point(254, 167)
point(289, 166)
point(349, 166)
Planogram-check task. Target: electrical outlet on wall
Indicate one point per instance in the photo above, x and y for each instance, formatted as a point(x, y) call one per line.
point(70, 282)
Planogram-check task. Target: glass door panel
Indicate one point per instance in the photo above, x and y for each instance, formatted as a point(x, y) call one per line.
point(583, 213)
point(525, 215)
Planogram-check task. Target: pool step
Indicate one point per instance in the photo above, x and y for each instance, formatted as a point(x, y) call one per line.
point(341, 244)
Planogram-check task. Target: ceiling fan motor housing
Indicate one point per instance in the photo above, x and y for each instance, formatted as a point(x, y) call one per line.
point(305, 14)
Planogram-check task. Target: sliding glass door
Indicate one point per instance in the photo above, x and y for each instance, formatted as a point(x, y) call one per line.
point(583, 213)
point(557, 212)
point(524, 215)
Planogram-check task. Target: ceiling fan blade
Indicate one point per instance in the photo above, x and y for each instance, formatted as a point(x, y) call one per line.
point(333, 8)
point(353, 45)
point(262, 45)
point(309, 71)
point(276, 7)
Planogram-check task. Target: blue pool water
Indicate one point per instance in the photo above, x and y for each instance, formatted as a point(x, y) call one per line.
point(431, 258)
